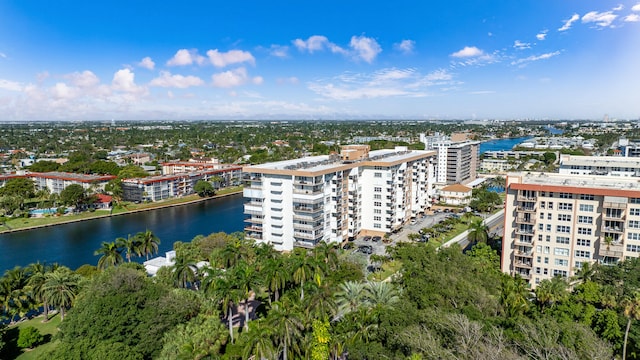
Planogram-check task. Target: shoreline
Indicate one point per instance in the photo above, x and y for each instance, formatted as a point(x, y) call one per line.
point(7, 231)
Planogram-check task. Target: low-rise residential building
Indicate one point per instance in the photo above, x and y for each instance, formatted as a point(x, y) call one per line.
point(554, 223)
point(455, 194)
point(229, 174)
point(333, 198)
point(56, 181)
point(497, 165)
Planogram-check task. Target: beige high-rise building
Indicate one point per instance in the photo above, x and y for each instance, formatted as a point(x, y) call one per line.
point(554, 223)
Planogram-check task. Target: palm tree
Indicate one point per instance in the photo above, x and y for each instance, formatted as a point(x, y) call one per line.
point(326, 256)
point(224, 290)
point(349, 297)
point(584, 274)
point(184, 271)
point(380, 294)
point(246, 278)
point(550, 292)
point(287, 326)
point(16, 299)
point(258, 344)
point(303, 266)
point(478, 231)
point(60, 288)
point(130, 245)
point(148, 243)
point(514, 296)
point(275, 276)
point(36, 283)
point(111, 255)
point(632, 312)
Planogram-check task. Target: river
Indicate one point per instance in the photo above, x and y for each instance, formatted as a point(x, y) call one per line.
point(73, 244)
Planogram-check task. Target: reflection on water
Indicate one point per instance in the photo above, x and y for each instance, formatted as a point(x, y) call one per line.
point(73, 244)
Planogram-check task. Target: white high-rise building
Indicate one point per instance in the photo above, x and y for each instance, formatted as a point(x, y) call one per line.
point(333, 198)
point(554, 223)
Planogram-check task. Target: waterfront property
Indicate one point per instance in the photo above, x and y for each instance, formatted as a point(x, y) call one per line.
point(56, 181)
point(333, 198)
point(455, 194)
point(457, 161)
point(555, 223)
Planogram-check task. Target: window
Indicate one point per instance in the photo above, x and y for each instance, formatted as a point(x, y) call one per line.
point(586, 197)
point(538, 248)
point(540, 227)
point(540, 237)
point(634, 224)
point(565, 196)
point(565, 206)
point(561, 251)
point(537, 270)
point(634, 211)
point(584, 231)
point(377, 197)
point(562, 262)
point(564, 217)
point(583, 254)
point(633, 248)
point(542, 205)
point(538, 259)
point(550, 205)
point(583, 242)
point(541, 216)
point(377, 203)
point(547, 249)
point(377, 211)
point(585, 219)
point(633, 236)
point(634, 200)
point(563, 229)
point(377, 218)
point(548, 238)
point(377, 226)
point(377, 175)
point(585, 207)
point(578, 264)
point(548, 227)
point(562, 273)
point(545, 271)
point(546, 261)
point(549, 216)
point(562, 240)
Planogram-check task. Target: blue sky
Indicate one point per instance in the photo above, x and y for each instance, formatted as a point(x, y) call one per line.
point(95, 60)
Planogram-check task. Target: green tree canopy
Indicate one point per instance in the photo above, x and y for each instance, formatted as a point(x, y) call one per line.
point(204, 188)
point(22, 187)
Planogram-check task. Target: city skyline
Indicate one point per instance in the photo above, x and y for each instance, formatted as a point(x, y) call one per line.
point(356, 60)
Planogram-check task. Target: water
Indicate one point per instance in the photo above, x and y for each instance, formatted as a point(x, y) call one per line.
point(554, 131)
point(501, 144)
point(73, 244)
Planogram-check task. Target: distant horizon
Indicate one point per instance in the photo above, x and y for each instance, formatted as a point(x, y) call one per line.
point(355, 60)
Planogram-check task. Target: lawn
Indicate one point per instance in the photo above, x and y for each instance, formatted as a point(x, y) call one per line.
point(388, 268)
point(48, 329)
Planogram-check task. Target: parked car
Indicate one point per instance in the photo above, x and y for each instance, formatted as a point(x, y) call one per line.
point(376, 238)
point(347, 246)
point(413, 222)
point(367, 238)
point(365, 249)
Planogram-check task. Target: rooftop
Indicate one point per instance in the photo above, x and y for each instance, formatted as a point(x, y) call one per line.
point(632, 162)
point(576, 181)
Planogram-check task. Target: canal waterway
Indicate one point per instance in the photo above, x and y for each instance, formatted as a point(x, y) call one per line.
point(73, 244)
point(501, 144)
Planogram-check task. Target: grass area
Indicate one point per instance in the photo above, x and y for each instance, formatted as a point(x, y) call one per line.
point(22, 223)
point(388, 268)
point(48, 329)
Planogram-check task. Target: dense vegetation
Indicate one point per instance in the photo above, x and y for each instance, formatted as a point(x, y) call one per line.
point(442, 304)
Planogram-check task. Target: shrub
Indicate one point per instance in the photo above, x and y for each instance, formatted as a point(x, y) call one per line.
point(29, 337)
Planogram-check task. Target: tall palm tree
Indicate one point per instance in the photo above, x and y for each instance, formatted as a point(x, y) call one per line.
point(287, 326)
point(131, 246)
point(632, 312)
point(275, 276)
point(478, 231)
point(36, 283)
point(303, 270)
point(246, 279)
point(550, 292)
point(228, 295)
point(584, 274)
point(258, 344)
point(350, 297)
point(148, 243)
point(17, 299)
point(111, 255)
point(326, 256)
point(514, 296)
point(60, 288)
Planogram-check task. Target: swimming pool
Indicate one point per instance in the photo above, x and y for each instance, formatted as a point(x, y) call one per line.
point(48, 211)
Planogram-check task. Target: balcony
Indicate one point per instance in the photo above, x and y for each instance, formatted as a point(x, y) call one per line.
point(254, 220)
point(520, 242)
point(613, 215)
point(525, 220)
point(614, 229)
point(523, 264)
point(523, 274)
point(614, 205)
point(529, 209)
point(312, 227)
point(308, 236)
point(522, 197)
point(528, 254)
point(613, 250)
point(524, 231)
point(253, 228)
point(308, 209)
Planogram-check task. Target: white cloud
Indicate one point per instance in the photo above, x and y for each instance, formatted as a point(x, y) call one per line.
point(439, 75)
point(85, 79)
point(618, 8)
point(147, 63)
point(519, 45)
point(176, 81)
point(366, 48)
point(603, 19)
point(62, 91)
point(186, 57)
point(567, 23)
point(317, 43)
point(632, 18)
point(542, 35)
point(405, 46)
point(279, 51)
point(636, 7)
point(233, 78)
point(222, 59)
point(10, 85)
point(468, 51)
point(124, 80)
point(524, 61)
